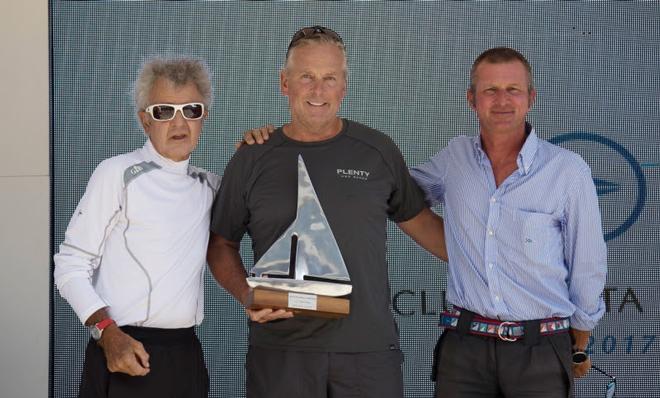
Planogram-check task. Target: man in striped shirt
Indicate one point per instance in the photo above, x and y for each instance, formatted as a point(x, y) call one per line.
point(526, 251)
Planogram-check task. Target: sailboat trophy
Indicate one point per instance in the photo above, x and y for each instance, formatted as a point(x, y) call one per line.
point(303, 271)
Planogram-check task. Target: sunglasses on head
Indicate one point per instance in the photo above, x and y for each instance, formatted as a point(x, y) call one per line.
point(311, 31)
point(165, 112)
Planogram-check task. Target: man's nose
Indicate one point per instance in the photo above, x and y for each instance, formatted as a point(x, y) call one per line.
point(178, 117)
point(501, 97)
point(317, 86)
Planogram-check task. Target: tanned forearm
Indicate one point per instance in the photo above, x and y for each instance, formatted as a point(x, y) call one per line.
point(428, 230)
point(580, 339)
point(227, 267)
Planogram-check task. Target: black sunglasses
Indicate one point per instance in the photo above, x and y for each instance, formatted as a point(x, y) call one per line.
point(310, 31)
point(610, 390)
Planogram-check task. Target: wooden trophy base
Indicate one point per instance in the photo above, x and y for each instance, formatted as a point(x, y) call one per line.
point(299, 303)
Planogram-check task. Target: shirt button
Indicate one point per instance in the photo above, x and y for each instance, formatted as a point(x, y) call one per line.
point(497, 298)
point(490, 265)
point(490, 232)
point(492, 200)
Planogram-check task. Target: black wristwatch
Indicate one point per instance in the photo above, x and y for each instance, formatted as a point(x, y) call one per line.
point(579, 357)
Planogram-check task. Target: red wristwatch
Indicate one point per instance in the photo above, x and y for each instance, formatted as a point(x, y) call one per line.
point(97, 329)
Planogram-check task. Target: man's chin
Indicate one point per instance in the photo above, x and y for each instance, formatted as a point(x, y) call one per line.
point(178, 155)
point(502, 125)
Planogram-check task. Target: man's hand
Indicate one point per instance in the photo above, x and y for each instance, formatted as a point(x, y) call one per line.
point(123, 353)
point(263, 315)
point(256, 136)
point(267, 314)
point(580, 339)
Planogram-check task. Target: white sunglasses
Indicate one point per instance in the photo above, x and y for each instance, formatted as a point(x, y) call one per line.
point(165, 112)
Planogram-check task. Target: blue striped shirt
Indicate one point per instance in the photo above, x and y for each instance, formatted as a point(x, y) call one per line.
point(531, 248)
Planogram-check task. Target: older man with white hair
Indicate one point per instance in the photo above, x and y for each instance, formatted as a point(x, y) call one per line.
point(131, 264)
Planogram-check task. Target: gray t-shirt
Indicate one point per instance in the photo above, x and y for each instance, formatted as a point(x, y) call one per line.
point(361, 180)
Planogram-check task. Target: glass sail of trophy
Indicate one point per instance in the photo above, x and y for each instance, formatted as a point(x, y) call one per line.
point(303, 270)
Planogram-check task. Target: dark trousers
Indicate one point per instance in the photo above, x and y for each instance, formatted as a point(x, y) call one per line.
point(176, 362)
point(275, 373)
point(468, 366)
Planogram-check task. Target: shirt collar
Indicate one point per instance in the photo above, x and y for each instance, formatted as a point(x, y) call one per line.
point(479, 153)
point(526, 154)
point(528, 150)
point(167, 164)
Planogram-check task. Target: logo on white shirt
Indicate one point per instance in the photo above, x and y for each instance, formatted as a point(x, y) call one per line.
point(136, 169)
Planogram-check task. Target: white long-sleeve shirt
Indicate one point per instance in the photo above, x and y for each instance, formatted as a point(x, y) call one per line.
point(137, 242)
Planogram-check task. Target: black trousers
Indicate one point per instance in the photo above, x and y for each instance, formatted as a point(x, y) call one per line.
point(273, 373)
point(176, 362)
point(469, 366)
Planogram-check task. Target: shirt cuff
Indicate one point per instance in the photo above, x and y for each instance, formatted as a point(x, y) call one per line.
point(582, 321)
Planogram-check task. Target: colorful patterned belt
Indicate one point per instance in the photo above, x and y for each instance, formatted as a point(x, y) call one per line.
point(504, 330)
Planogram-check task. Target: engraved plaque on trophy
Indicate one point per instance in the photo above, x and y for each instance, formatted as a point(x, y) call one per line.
point(303, 271)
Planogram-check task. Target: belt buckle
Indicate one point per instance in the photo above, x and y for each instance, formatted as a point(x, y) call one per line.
point(500, 330)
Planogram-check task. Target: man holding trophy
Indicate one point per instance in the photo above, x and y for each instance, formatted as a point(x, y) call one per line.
point(315, 200)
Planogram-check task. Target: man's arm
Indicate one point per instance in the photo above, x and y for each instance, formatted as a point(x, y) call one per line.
point(77, 260)
point(585, 254)
point(427, 229)
point(227, 268)
point(82, 250)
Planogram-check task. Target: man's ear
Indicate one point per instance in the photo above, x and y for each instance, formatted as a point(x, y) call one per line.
point(284, 83)
point(470, 98)
point(145, 120)
point(343, 95)
point(532, 98)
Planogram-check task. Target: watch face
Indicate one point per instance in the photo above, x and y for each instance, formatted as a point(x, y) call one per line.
point(96, 333)
point(579, 357)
